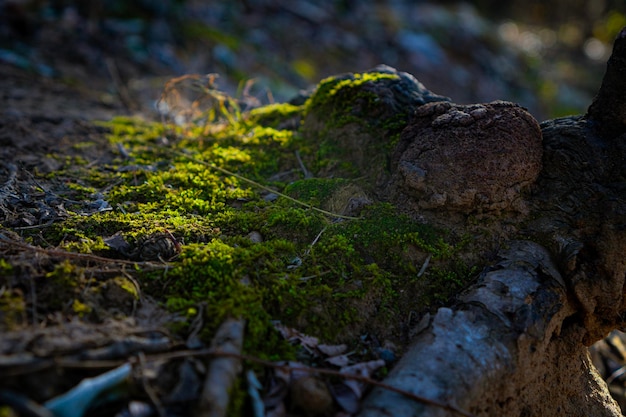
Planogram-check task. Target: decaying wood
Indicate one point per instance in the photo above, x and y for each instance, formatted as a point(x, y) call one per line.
point(515, 344)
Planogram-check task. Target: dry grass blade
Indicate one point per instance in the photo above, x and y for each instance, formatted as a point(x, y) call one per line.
point(263, 187)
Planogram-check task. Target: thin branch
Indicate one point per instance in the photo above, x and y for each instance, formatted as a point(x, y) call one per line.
point(5, 240)
point(310, 248)
point(321, 371)
point(122, 91)
point(266, 188)
point(148, 388)
point(424, 266)
point(306, 172)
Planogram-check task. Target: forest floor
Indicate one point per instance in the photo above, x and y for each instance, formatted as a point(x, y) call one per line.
point(44, 122)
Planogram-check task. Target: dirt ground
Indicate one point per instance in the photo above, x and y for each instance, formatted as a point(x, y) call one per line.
point(42, 121)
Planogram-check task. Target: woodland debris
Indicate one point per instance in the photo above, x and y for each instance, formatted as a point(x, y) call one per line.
point(223, 371)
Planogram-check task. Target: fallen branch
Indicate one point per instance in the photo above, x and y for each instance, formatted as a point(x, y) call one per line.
point(223, 370)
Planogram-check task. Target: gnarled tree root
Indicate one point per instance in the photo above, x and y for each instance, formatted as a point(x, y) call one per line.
point(509, 348)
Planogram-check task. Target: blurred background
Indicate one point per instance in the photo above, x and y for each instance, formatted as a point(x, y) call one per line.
point(547, 56)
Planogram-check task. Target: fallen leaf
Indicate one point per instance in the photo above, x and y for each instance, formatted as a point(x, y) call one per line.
point(332, 350)
point(340, 360)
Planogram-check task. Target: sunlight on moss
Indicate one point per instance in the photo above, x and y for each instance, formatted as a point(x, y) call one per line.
point(329, 277)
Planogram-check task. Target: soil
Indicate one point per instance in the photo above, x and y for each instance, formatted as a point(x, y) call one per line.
point(43, 120)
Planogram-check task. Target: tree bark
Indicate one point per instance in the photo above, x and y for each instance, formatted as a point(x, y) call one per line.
point(504, 350)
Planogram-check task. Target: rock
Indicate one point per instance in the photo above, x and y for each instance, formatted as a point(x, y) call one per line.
point(311, 396)
point(474, 158)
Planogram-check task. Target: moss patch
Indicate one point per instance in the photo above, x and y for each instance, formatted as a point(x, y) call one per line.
point(244, 251)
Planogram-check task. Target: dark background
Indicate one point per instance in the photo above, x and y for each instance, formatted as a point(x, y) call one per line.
point(548, 56)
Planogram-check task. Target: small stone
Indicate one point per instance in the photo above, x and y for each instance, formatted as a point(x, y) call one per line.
point(442, 120)
point(461, 118)
point(255, 237)
point(478, 113)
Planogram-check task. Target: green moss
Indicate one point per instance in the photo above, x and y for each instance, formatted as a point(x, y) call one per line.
point(12, 308)
point(275, 115)
point(315, 191)
point(333, 92)
point(80, 308)
point(5, 267)
point(353, 128)
point(127, 285)
point(334, 279)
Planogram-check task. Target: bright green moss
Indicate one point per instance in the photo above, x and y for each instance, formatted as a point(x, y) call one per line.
point(334, 279)
point(80, 308)
point(353, 128)
point(331, 92)
point(275, 115)
point(127, 285)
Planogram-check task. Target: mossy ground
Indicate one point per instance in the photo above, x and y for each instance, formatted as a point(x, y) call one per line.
point(245, 251)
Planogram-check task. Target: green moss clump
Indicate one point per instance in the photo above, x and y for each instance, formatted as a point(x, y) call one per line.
point(248, 251)
point(278, 115)
point(352, 126)
point(348, 98)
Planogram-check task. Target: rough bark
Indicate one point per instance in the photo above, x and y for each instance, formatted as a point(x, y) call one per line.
point(516, 342)
point(504, 350)
point(474, 158)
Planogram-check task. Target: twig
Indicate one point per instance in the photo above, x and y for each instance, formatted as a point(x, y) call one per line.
point(122, 91)
point(424, 266)
point(148, 389)
point(223, 370)
point(38, 226)
point(321, 371)
point(256, 184)
point(5, 240)
point(33, 298)
point(314, 241)
point(307, 173)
